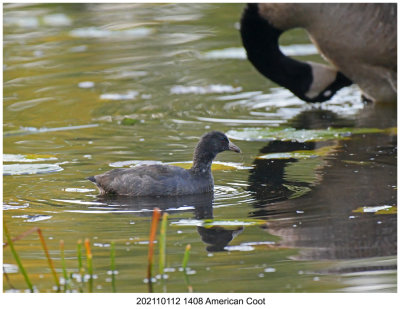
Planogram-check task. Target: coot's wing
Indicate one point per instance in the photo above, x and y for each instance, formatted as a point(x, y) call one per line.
point(145, 180)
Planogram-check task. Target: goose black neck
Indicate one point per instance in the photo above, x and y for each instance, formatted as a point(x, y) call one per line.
point(261, 41)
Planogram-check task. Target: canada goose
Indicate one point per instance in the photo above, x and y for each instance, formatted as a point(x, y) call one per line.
point(358, 39)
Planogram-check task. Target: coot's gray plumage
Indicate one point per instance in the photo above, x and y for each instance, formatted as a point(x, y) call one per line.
point(167, 180)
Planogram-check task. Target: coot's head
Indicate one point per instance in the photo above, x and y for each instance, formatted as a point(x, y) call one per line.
point(215, 142)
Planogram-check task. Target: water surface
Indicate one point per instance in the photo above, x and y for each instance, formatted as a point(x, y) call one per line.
point(90, 87)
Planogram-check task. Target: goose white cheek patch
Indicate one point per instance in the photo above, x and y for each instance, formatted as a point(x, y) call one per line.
point(323, 77)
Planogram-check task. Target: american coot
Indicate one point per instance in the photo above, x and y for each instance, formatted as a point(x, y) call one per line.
point(167, 180)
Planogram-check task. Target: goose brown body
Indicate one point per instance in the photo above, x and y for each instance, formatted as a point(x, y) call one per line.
point(359, 41)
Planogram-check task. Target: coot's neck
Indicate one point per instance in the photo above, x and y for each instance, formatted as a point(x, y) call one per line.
point(202, 161)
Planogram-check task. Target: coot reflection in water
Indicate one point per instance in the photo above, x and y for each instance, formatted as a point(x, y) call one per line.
point(216, 237)
point(322, 221)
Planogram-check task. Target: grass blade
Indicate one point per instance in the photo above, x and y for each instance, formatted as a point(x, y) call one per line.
point(186, 256)
point(184, 266)
point(49, 260)
point(162, 244)
point(89, 264)
point(153, 230)
point(114, 289)
point(16, 257)
point(22, 235)
point(80, 265)
point(64, 268)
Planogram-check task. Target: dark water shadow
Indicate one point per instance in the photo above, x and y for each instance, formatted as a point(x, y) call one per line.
point(323, 223)
point(216, 237)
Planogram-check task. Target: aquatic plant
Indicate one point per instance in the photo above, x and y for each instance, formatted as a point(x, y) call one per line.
point(153, 230)
point(89, 261)
point(80, 265)
point(49, 260)
point(64, 268)
point(16, 257)
point(184, 267)
point(162, 244)
point(67, 284)
point(10, 242)
point(113, 286)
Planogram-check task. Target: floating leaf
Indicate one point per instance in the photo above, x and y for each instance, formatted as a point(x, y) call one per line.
point(378, 210)
point(389, 211)
point(129, 121)
point(299, 154)
point(291, 134)
point(29, 169)
point(27, 157)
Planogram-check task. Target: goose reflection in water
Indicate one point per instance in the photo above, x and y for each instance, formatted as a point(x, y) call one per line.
point(216, 237)
point(321, 218)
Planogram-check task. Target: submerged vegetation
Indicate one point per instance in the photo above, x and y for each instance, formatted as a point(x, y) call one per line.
point(65, 284)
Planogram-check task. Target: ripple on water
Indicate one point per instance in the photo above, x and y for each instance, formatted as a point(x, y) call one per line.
point(240, 53)
point(239, 248)
point(179, 89)
point(131, 163)
point(80, 190)
point(86, 84)
point(94, 32)
point(10, 268)
point(129, 95)
point(33, 218)
point(57, 20)
point(229, 195)
point(30, 169)
point(14, 207)
point(271, 122)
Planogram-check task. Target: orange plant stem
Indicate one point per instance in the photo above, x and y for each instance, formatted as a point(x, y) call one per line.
point(153, 231)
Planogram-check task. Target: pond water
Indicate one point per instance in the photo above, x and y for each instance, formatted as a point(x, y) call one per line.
point(307, 207)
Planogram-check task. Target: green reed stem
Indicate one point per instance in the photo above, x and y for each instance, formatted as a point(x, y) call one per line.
point(114, 289)
point(49, 260)
point(64, 267)
point(80, 265)
point(89, 258)
point(186, 256)
point(184, 266)
point(16, 257)
point(162, 244)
